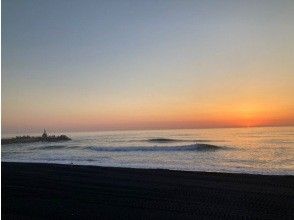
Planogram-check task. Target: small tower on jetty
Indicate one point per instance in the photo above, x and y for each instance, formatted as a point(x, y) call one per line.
point(44, 135)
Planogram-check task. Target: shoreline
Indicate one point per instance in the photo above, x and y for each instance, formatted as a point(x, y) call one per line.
point(33, 190)
point(286, 174)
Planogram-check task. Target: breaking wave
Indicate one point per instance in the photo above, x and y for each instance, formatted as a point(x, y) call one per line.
point(52, 147)
point(157, 148)
point(55, 147)
point(191, 147)
point(167, 140)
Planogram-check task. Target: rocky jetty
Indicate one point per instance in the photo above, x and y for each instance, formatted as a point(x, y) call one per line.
point(32, 139)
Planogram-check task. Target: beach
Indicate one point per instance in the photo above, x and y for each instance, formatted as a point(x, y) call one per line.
point(50, 191)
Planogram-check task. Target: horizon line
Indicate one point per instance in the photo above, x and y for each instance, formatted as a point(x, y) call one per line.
point(149, 129)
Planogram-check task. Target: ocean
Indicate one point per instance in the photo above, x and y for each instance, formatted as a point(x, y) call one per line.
point(268, 150)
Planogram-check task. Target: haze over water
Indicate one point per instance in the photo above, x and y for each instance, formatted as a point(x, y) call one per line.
point(243, 150)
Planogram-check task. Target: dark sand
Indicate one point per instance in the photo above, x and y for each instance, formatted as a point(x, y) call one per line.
point(43, 191)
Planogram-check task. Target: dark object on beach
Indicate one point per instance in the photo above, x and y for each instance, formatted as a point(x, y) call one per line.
point(52, 191)
point(29, 139)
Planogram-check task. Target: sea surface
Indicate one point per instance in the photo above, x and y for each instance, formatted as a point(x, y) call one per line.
point(235, 150)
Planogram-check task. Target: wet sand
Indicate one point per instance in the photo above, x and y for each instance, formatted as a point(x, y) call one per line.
point(50, 191)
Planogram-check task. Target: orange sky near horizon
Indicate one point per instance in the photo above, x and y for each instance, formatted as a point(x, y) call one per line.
point(160, 118)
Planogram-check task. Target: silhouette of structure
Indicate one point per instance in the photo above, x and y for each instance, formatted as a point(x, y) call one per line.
point(28, 139)
point(44, 135)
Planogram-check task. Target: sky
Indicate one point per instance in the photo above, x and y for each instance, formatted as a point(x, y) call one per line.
point(108, 65)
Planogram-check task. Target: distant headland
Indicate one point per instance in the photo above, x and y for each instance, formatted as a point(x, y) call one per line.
point(29, 139)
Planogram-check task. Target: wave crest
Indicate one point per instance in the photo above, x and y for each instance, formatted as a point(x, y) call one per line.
point(55, 147)
point(167, 140)
point(52, 147)
point(191, 147)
